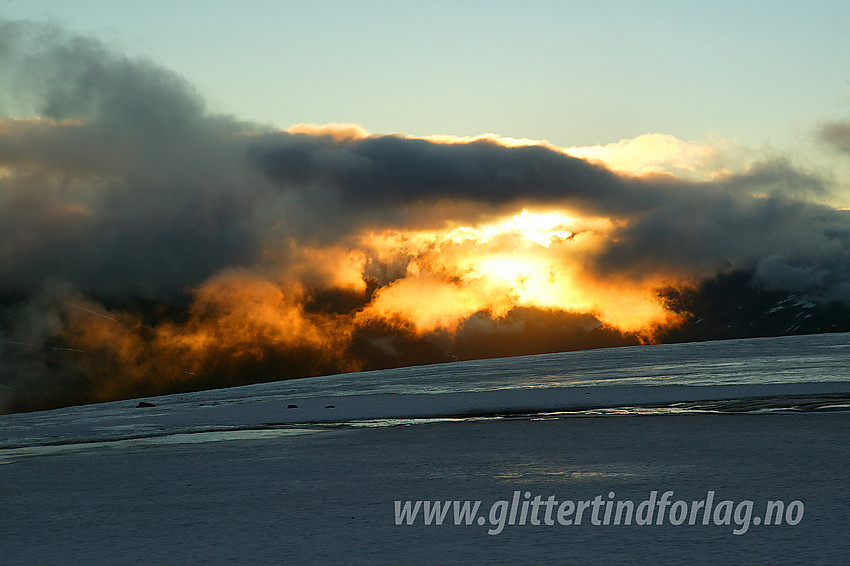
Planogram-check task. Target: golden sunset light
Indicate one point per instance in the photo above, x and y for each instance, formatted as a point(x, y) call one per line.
point(219, 251)
point(444, 282)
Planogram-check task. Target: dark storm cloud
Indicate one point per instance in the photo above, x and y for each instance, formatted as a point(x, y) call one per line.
point(133, 187)
point(392, 171)
point(129, 187)
point(793, 245)
point(760, 220)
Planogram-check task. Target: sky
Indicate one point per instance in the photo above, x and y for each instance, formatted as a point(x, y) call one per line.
point(205, 194)
point(574, 73)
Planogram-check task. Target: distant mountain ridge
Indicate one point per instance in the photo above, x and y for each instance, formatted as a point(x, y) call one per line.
point(733, 305)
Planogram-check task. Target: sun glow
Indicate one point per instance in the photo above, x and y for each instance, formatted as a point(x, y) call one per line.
point(531, 259)
point(542, 228)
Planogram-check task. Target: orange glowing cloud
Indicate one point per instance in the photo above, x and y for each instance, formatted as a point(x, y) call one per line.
point(531, 259)
point(238, 309)
point(315, 266)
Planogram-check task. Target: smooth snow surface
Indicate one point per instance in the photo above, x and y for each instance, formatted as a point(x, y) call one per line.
point(239, 477)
